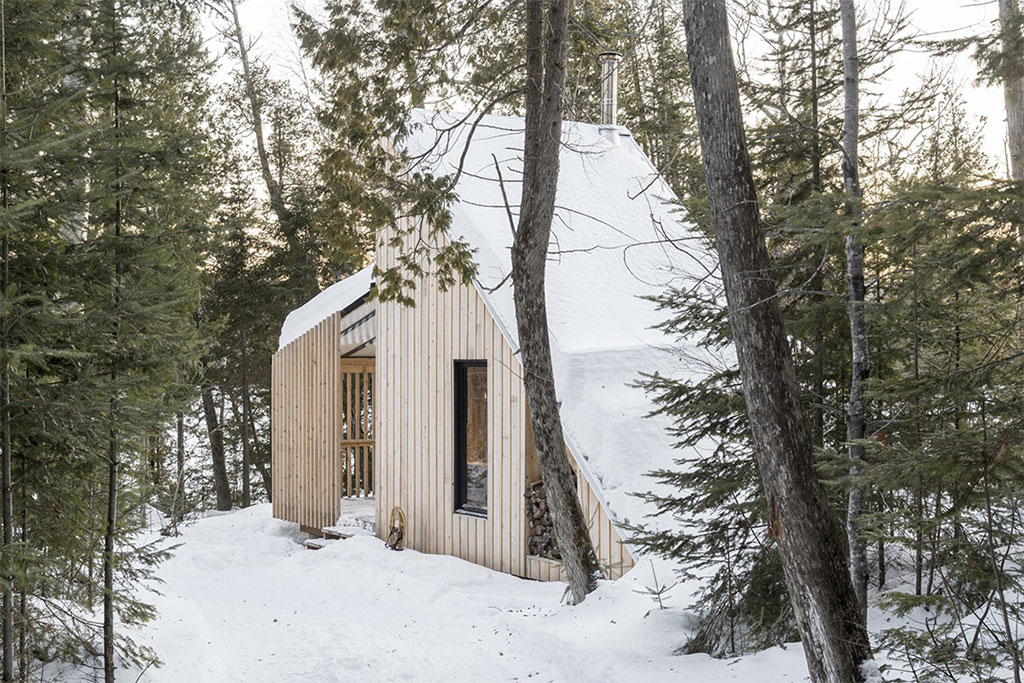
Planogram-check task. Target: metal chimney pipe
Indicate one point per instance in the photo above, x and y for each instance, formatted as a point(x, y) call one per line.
point(609, 87)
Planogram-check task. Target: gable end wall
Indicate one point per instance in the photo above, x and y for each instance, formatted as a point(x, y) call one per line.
point(416, 350)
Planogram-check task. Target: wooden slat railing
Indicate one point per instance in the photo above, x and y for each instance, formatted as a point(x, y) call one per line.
point(357, 443)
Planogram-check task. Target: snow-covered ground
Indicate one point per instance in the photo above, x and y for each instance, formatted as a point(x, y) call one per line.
point(243, 600)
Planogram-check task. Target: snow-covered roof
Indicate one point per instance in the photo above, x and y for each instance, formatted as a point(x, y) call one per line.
point(616, 239)
point(337, 297)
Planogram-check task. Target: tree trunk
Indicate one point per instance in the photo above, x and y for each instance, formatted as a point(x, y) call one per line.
point(22, 592)
point(90, 560)
point(256, 111)
point(216, 434)
point(114, 445)
point(545, 67)
point(812, 27)
point(810, 541)
point(1013, 93)
point(1013, 98)
point(246, 447)
point(177, 503)
point(881, 548)
point(817, 281)
point(5, 382)
point(258, 463)
point(856, 415)
point(262, 466)
point(108, 552)
point(916, 347)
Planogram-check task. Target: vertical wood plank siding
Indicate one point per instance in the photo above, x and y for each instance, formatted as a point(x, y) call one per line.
point(320, 404)
point(416, 350)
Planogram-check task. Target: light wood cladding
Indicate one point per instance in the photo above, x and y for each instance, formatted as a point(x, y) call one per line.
point(385, 426)
point(416, 352)
point(321, 427)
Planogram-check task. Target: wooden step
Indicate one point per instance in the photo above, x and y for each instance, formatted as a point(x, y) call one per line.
point(320, 537)
point(335, 535)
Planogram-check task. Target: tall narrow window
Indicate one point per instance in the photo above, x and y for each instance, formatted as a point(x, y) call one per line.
point(471, 436)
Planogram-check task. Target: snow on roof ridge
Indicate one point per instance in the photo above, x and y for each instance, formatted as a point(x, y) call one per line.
point(337, 297)
point(469, 117)
point(616, 239)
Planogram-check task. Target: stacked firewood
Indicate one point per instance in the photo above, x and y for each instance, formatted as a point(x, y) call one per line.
point(542, 539)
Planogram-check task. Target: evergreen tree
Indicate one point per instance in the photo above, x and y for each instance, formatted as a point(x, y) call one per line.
point(947, 463)
point(796, 92)
point(246, 297)
point(374, 66)
point(104, 178)
point(147, 88)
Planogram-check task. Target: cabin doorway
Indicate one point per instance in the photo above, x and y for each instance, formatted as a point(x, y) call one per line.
point(357, 416)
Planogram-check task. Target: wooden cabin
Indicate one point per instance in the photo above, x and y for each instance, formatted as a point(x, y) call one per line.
point(423, 407)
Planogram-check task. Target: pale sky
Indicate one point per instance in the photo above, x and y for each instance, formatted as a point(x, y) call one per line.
point(940, 19)
point(269, 19)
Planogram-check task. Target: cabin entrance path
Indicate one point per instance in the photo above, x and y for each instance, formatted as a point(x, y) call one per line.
point(242, 601)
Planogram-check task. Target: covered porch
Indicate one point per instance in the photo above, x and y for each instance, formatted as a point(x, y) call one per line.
point(322, 411)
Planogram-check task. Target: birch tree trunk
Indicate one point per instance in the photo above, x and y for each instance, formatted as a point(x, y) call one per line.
point(856, 415)
point(809, 539)
point(545, 77)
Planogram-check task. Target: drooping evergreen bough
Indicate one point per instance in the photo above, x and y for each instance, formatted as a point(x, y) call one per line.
point(105, 166)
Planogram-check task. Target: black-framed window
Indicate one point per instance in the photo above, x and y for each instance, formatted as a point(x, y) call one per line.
point(471, 436)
